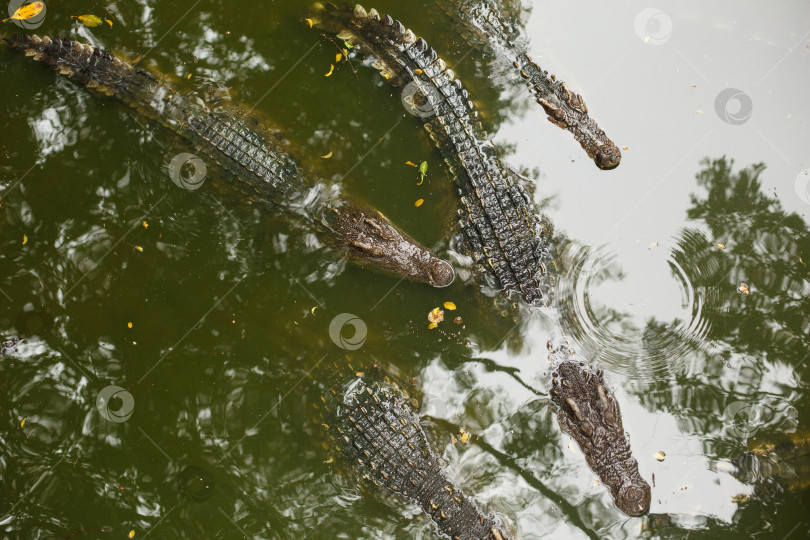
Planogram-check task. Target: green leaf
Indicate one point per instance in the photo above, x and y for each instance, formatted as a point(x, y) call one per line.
point(423, 168)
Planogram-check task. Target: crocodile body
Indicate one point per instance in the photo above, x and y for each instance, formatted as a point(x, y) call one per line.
point(502, 229)
point(487, 24)
point(257, 161)
point(380, 435)
point(590, 414)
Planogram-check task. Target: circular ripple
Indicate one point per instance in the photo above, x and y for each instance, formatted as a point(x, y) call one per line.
point(634, 308)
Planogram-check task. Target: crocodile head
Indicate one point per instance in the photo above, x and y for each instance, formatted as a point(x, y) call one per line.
point(591, 415)
point(369, 237)
point(608, 156)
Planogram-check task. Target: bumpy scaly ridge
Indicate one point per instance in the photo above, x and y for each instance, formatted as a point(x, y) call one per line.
point(380, 434)
point(501, 226)
point(588, 412)
point(564, 108)
point(242, 146)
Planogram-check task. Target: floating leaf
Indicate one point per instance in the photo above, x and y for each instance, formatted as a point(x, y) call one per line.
point(108, 21)
point(88, 20)
point(660, 456)
point(131, 533)
point(423, 167)
point(431, 326)
point(27, 11)
point(449, 305)
point(720, 245)
point(145, 224)
point(25, 239)
point(338, 57)
point(464, 436)
point(329, 460)
point(313, 310)
point(743, 288)
point(22, 424)
point(411, 163)
point(189, 76)
point(327, 156)
point(458, 320)
point(331, 69)
point(418, 202)
point(654, 244)
point(129, 325)
point(309, 23)
point(418, 71)
point(139, 248)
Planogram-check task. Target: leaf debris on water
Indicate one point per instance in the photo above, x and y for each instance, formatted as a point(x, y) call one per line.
point(331, 69)
point(22, 424)
point(411, 163)
point(129, 325)
point(25, 239)
point(418, 202)
point(145, 224)
point(720, 245)
point(464, 435)
point(743, 288)
point(27, 11)
point(108, 21)
point(660, 456)
point(88, 20)
point(139, 248)
point(449, 305)
point(435, 316)
point(654, 244)
point(327, 156)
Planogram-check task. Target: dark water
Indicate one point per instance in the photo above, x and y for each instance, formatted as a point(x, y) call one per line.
point(211, 315)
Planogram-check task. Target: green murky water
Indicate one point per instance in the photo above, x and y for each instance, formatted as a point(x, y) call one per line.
point(212, 315)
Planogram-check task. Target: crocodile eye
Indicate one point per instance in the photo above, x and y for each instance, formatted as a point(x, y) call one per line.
point(634, 499)
point(442, 274)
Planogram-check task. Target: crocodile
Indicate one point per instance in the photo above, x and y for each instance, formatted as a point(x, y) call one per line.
point(246, 148)
point(504, 234)
point(590, 414)
point(486, 23)
point(380, 434)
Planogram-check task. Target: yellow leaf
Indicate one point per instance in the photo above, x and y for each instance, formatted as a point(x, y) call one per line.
point(449, 305)
point(22, 424)
point(431, 326)
point(418, 202)
point(418, 71)
point(145, 224)
point(25, 239)
point(743, 288)
point(654, 244)
point(139, 248)
point(88, 20)
point(660, 456)
point(720, 245)
point(131, 533)
point(189, 76)
point(331, 69)
point(108, 21)
point(411, 163)
point(129, 325)
point(329, 460)
point(313, 310)
point(309, 23)
point(464, 436)
point(27, 11)
point(327, 156)
point(338, 57)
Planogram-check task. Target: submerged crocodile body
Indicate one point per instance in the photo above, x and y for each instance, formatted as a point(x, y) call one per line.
point(775, 468)
point(487, 24)
point(590, 414)
point(247, 150)
point(380, 435)
point(502, 229)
